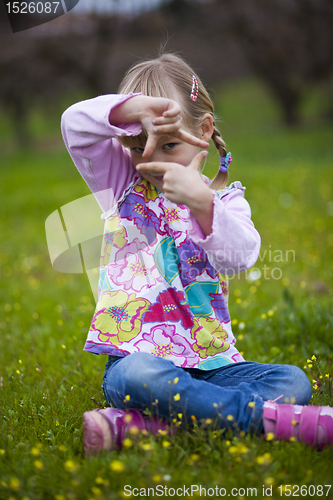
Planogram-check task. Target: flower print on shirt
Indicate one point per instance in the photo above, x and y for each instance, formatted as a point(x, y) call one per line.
point(220, 307)
point(119, 316)
point(146, 190)
point(114, 235)
point(134, 209)
point(193, 262)
point(136, 271)
point(164, 342)
point(209, 336)
point(171, 305)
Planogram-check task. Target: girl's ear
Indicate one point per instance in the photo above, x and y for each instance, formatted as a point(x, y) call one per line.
point(207, 127)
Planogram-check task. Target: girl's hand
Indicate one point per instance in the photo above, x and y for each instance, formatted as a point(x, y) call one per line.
point(163, 117)
point(158, 115)
point(185, 186)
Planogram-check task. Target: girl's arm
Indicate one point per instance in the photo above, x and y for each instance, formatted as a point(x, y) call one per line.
point(233, 244)
point(91, 141)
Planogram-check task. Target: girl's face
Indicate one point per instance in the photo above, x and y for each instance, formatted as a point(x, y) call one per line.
point(168, 149)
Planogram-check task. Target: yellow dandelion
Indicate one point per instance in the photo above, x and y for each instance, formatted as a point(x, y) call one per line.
point(230, 418)
point(194, 457)
point(59, 497)
point(62, 448)
point(157, 478)
point(261, 460)
point(208, 421)
point(117, 466)
point(327, 375)
point(251, 404)
point(242, 449)
point(292, 439)
point(270, 313)
point(146, 446)
point(269, 436)
point(166, 444)
point(2, 452)
point(134, 430)
point(269, 481)
point(35, 451)
point(313, 357)
point(70, 466)
point(127, 443)
point(162, 432)
point(176, 380)
point(38, 464)
point(128, 418)
point(14, 483)
point(180, 416)
point(177, 397)
point(292, 400)
point(96, 491)
point(127, 397)
point(18, 372)
point(263, 316)
point(99, 480)
point(233, 449)
point(240, 336)
point(310, 365)
point(215, 405)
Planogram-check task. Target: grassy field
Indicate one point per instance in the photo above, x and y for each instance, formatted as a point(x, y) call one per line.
point(282, 312)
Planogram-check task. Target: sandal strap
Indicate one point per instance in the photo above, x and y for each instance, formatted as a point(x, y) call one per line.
point(308, 426)
point(284, 425)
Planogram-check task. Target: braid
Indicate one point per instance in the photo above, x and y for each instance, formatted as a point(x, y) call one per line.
point(221, 178)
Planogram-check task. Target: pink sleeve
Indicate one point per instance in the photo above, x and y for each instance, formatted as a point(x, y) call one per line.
point(104, 164)
point(234, 243)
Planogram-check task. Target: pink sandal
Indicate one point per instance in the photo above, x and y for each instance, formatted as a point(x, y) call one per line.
point(106, 429)
point(312, 425)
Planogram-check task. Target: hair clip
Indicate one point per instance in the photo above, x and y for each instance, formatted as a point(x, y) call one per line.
point(225, 162)
point(195, 89)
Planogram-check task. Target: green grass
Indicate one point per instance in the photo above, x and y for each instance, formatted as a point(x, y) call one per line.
point(285, 316)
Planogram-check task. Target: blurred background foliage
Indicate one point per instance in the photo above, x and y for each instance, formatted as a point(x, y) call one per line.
point(287, 44)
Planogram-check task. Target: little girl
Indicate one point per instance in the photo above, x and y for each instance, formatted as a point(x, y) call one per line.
point(171, 238)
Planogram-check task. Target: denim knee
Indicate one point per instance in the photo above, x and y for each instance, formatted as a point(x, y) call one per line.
point(299, 386)
point(138, 375)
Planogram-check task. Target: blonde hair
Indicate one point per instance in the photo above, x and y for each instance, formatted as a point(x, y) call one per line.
point(166, 76)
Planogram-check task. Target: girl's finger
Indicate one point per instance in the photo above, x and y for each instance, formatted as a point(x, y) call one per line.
point(197, 160)
point(153, 168)
point(150, 145)
point(173, 109)
point(192, 139)
point(162, 120)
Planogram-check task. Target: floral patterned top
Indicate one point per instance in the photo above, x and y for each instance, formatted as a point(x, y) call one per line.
point(163, 285)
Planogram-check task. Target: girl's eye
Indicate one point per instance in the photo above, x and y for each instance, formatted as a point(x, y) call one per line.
point(138, 150)
point(169, 145)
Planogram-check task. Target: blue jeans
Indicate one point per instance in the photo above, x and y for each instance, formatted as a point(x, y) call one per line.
point(233, 395)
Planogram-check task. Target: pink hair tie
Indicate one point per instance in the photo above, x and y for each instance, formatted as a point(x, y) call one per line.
point(195, 89)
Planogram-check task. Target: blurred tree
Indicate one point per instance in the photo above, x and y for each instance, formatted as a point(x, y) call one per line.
point(287, 43)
